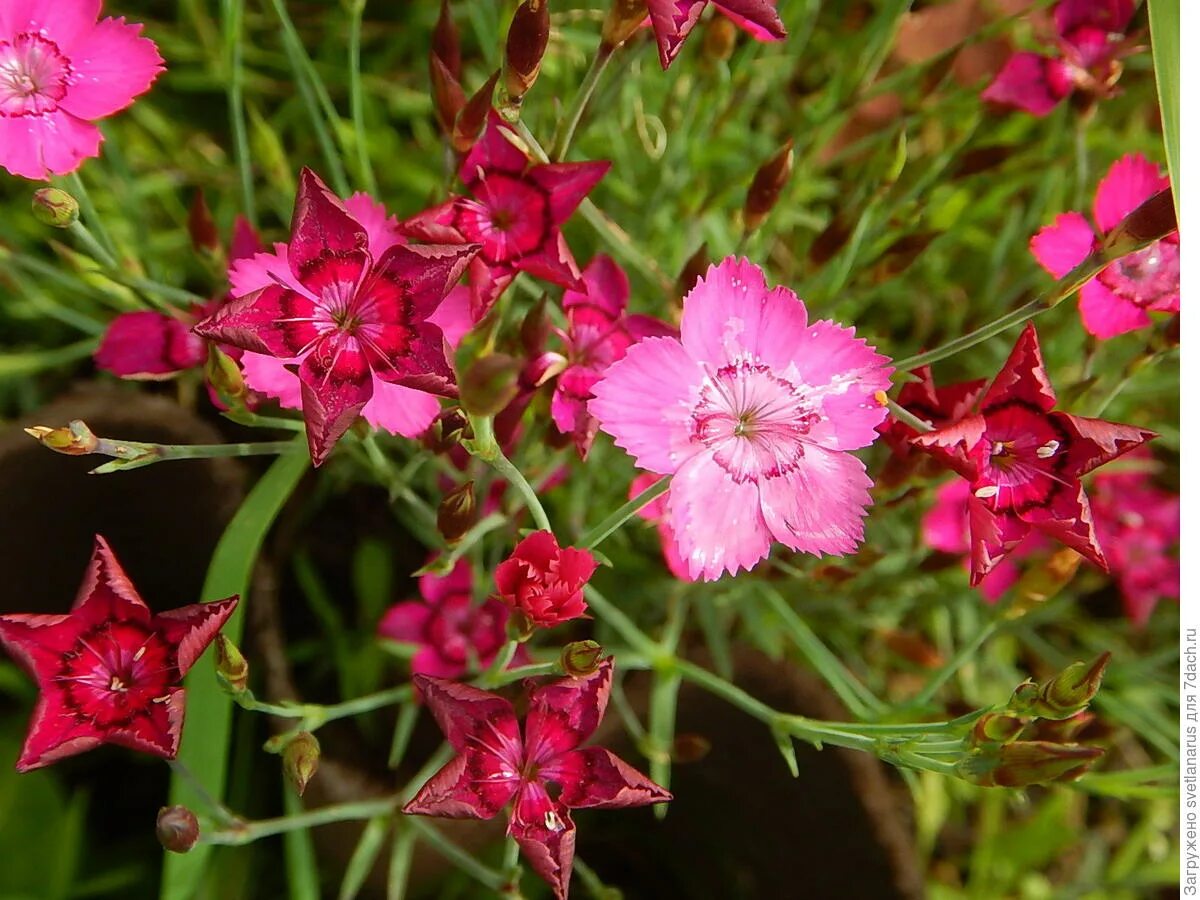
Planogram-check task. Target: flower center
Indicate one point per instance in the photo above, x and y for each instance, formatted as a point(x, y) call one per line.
point(1019, 459)
point(115, 671)
point(33, 75)
point(1145, 278)
point(508, 215)
point(754, 421)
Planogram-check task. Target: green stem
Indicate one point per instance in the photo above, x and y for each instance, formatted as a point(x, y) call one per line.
point(964, 654)
point(489, 678)
point(215, 806)
point(248, 832)
point(562, 141)
point(231, 15)
point(621, 623)
point(315, 715)
point(88, 209)
point(461, 858)
point(596, 535)
point(134, 455)
point(485, 446)
point(94, 247)
point(508, 676)
point(917, 424)
point(366, 173)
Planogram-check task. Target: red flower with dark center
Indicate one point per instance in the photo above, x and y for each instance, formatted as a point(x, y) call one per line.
point(545, 581)
point(1024, 461)
point(346, 317)
point(109, 670)
point(544, 776)
point(514, 212)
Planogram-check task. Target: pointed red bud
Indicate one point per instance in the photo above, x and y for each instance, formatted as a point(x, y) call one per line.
point(1072, 689)
point(472, 118)
point(447, 431)
point(300, 759)
point(177, 828)
point(233, 672)
point(445, 46)
point(526, 45)
point(55, 207)
point(448, 95)
point(693, 269)
point(456, 513)
point(768, 184)
point(623, 19)
point(201, 227)
point(489, 384)
point(581, 658)
point(1151, 221)
point(535, 328)
point(1027, 762)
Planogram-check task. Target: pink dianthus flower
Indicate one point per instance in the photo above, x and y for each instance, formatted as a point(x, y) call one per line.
point(752, 411)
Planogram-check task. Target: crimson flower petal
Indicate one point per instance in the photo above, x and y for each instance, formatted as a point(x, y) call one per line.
point(1023, 378)
point(1097, 441)
point(472, 720)
point(335, 385)
point(564, 713)
point(758, 17)
point(470, 786)
point(1030, 82)
point(595, 778)
point(566, 184)
point(321, 225)
point(673, 21)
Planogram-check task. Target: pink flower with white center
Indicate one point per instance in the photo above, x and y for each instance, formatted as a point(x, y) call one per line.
point(60, 70)
point(544, 775)
point(673, 21)
point(598, 334)
point(1088, 37)
point(515, 213)
point(1138, 526)
point(752, 411)
point(1121, 297)
point(655, 512)
point(452, 631)
point(109, 670)
point(350, 320)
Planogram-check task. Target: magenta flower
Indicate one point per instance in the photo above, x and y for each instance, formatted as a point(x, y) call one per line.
point(60, 70)
point(1138, 527)
point(655, 512)
point(1024, 462)
point(109, 670)
point(1089, 45)
point(348, 319)
point(752, 412)
point(673, 21)
point(452, 631)
point(515, 212)
point(936, 406)
point(598, 334)
point(543, 581)
point(1121, 296)
point(544, 775)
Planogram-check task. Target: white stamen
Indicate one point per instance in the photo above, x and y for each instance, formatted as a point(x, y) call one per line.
point(990, 490)
point(141, 652)
point(116, 684)
point(1047, 449)
point(553, 822)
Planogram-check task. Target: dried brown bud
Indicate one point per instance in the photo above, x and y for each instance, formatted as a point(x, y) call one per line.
point(177, 829)
point(535, 328)
point(768, 184)
point(233, 672)
point(581, 658)
point(623, 19)
point(456, 513)
point(74, 440)
point(448, 95)
point(693, 269)
point(913, 647)
point(201, 227)
point(526, 45)
point(1027, 762)
point(472, 118)
point(489, 383)
point(445, 45)
point(720, 37)
point(447, 430)
point(689, 748)
point(300, 759)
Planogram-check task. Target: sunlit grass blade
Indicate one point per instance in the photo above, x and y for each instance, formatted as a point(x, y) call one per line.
point(1164, 38)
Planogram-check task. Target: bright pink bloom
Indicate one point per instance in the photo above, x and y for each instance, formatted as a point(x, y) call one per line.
point(752, 412)
point(544, 775)
point(452, 631)
point(1024, 462)
point(656, 512)
point(149, 345)
point(673, 21)
point(544, 581)
point(515, 211)
point(108, 670)
point(60, 70)
point(1138, 527)
point(350, 320)
point(1118, 299)
point(1089, 44)
point(598, 334)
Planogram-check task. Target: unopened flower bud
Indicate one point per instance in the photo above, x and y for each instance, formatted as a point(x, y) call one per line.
point(768, 184)
point(1023, 698)
point(996, 728)
point(581, 658)
point(447, 431)
point(74, 440)
point(55, 207)
point(1151, 221)
point(225, 376)
point(445, 45)
point(535, 328)
point(526, 44)
point(1027, 762)
point(541, 369)
point(690, 748)
point(520, 626)
point(720, 37)
point(489, 384)
point(472, 118)
point(456, 513)
point(300, 759)
point(201, 227)
point(1065, 731)
point(1041, 582)
point(233, 672)
point(448, 95)
point(1072, 689)
point(623, 19)
point(693, 269)
point(177, 828)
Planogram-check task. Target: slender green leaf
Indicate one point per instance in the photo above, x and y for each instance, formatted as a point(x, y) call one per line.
point(304, 882)
point(1164, 39)
point(364, 857)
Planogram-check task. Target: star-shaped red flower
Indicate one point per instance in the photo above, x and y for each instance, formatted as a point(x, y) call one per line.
point(109, 670)
point(936, 406)
point(1024, 461)
point(345, 318)
point(515, 211)
point(544, 776)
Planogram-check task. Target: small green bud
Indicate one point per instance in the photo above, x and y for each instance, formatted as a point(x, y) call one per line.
point(76, 439)
point(581, 658)
point(55, 207)
point(300, 759)
point(233, 672)
point(1072, 689)
point(996, 728)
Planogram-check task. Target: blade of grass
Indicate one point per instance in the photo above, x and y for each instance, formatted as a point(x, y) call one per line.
point(363, 859)
point(210, 712)
point(1164, 40)
point(304, 882)
point(231, 25)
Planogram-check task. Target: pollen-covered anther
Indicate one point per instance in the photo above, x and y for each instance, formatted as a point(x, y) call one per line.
point(1047, 449)
point(987, 491)
point(553, 822)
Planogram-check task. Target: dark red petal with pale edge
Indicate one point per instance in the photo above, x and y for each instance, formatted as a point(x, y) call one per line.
point(273, 320)
point(1069, 519)
point(470, 786)
point(321, 224)
point(566, 184)
point(564, 713)
point(422, 273)
point(335, 385)
point(435, 224)
point(104, 571)
point(546, 835)
point(952, 445)
point(759, 17)
point(672, 21)
point(192, 628)
point(595, 778)
point(993, 537)
point(1097, 442)
point(1023, 377)
point(472, 719)
point(553, 262)
point(422, 365)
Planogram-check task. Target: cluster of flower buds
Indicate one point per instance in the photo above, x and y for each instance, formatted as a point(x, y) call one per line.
point(1011, 748)
point(462, 120)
